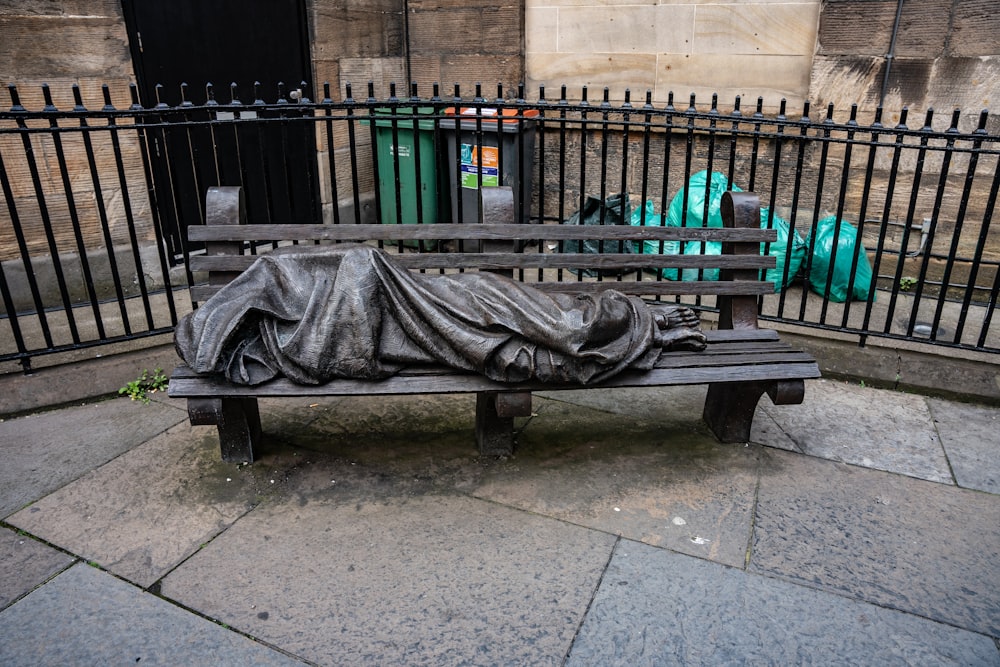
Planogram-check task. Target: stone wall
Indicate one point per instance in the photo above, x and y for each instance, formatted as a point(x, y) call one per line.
point(947, 55)
point(62, 43)
point(739, 47)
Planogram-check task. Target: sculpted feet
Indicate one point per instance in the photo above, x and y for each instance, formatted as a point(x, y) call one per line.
point(677, 328)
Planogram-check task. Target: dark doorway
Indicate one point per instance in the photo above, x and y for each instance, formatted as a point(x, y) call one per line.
point(225, 42)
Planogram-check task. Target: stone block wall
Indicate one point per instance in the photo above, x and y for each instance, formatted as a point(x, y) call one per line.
point(739, 47)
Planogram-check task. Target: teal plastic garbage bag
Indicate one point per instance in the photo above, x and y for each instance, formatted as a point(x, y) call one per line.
point(780, 248)
point(698, 187)
point(614, 210)
point(647, 216)
point(848, 246)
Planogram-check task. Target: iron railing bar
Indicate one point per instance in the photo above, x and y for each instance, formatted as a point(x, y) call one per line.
point(25, 254)
point(105, 223)
point(46, 219)
point(978, 260)
point(935, 219)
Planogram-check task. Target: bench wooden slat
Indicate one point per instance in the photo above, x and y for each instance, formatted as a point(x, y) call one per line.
point(500, 260)
point(200, 293)
point(750, 355)
point(447, 231)
point(204, 386)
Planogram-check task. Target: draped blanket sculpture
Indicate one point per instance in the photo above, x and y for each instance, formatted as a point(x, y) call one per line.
point(317, 313)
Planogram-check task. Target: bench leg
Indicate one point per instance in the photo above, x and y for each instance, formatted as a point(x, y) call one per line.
point(495, 412)
point(729, 409)
point(238, 421)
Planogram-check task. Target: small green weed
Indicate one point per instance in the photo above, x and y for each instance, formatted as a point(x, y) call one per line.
point(144, 385)
point(906, 283)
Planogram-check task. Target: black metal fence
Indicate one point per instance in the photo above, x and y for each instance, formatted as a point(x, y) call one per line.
point(884, 229)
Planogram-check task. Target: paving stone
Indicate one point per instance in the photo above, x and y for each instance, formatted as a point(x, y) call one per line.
point(724, 616)
point(971, 438)
point(87, 617)
point(368, 571)
point(26, 563)
point(44, 451)
point(654, 481)
point(142, 513)
point(930, 549)
point(874, 428)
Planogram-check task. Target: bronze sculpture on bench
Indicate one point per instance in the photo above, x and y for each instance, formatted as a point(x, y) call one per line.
point(318, 313)
point(642, 345)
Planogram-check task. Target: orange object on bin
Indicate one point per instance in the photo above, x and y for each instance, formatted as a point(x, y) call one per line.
point(489, 114)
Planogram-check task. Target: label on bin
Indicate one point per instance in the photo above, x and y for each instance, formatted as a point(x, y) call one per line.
point(473, 166)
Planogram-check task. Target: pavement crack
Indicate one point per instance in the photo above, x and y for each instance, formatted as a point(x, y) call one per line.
point(593, 596)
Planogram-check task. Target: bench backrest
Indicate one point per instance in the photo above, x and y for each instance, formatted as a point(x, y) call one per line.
point(557, 261)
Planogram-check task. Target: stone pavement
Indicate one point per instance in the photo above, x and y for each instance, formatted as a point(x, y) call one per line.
point(862, 527)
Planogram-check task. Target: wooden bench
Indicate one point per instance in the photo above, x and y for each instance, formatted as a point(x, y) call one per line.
point(739, 365)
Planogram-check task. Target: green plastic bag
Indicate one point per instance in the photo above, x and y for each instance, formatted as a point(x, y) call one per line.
point(778, 249)
point(647, 216)
point(698, 187)
point(615, 210)
point(848, 247)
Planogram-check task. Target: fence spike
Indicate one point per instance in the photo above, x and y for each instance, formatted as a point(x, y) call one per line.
point(479, 93)
point(185, 102)
point(233, 99)
point(562, 95)
point(15, 98)
point(133, 91)
point(736, 107)
point(256, 93)
point(928, 121)
point(878, 117)
point(520, 92)
point(303, 92)
point(326, 93)
point(983, 117)
point(955, 116)
point(47, 96)
point(281, 93)
point(691, 105)
point(371, 91)
point(210, 95)
point(500, 98)
point(457, 94)
point(583, 96)
point(106, 95)
point(435, 92)
point(901, 125)
point(77, 98)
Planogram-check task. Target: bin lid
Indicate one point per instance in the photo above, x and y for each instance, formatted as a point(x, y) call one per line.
point(403, 117)
point(491, 113)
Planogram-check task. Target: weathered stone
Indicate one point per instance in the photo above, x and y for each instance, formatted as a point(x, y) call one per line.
point(88, 617)
point(337, 577)
point(908, 544)
point(720, 615)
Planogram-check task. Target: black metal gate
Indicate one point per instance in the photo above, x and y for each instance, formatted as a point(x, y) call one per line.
point(248, 50)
